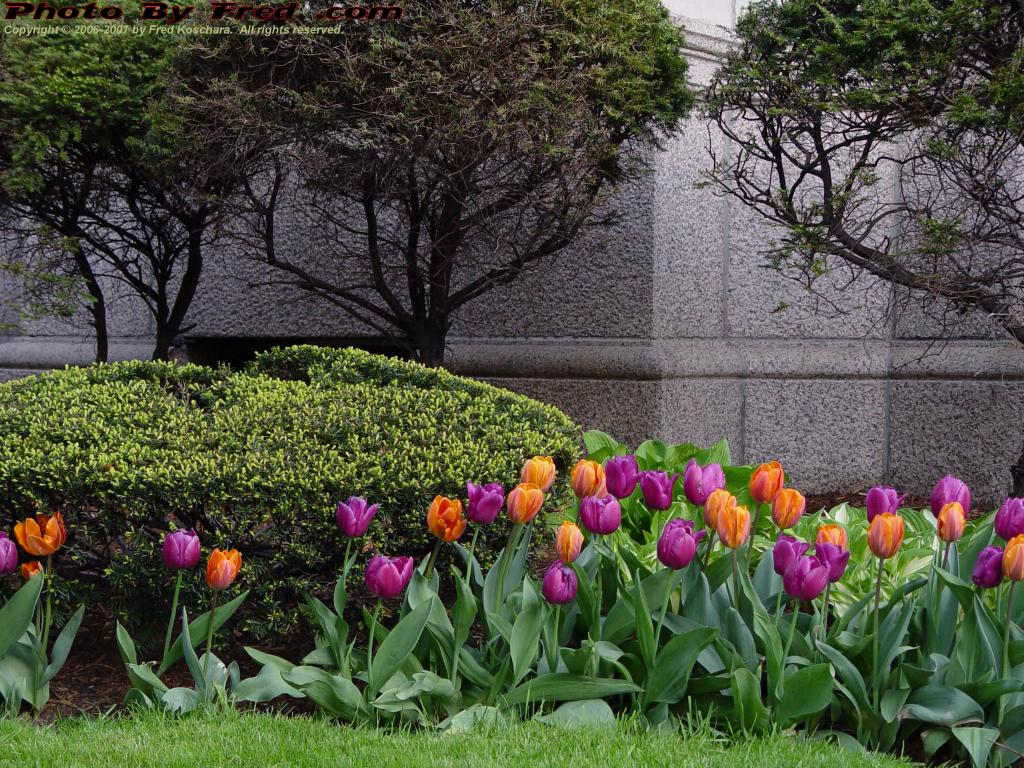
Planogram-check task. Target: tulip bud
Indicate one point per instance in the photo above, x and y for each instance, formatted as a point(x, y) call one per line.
point(677, 545)
point(733, 526)
point(787, 550)
point(806, 578)
point(444, 518)
point(656, 487)
point(835, 558)
point(621, 474)
point(540, 471)
point(600, 514)
point(181, 549)
point(832, 533)
point(787, 506)
point(766, 482)
point(588, 479)
point(222, 568)
point(568, 542)
point(42, 535)
point(559, 584)
point(950, 489)
point(524, 502)
point(1013, 558)
point(951, 522)
point(882, 499)
point(1009, 520)
point(30, 569)
point(386, 577)
point(988, 568)
point(484, 502)
point(715, 503)
point(885, 535)
point(354, 516)
point(8, 555)
point(699, 482)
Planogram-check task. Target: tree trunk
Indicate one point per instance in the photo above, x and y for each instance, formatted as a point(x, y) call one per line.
point(98, 307)
point(429, 341)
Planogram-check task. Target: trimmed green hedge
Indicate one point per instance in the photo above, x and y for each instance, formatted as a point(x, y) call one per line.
point(256, 460)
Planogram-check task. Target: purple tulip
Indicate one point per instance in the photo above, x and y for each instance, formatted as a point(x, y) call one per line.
point(354, 516)
point(600, 514)
point(699, 482)
point(678, 543)
point(657, 488)
point(834, 557)
point(485, 502)
point(882, 499)
point(806, 578)
point(786, 551)
point(386, 577)
point(181, 549)
point(988, 568)
point(1010, 519)
point(559, 585)
point(950, 489)
point(8, 554)
point(621, 475)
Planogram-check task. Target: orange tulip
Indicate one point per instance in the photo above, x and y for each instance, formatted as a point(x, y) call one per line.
point(588, 479)
point(568, 542)
point(524, 502)
point(832, 533)
point(717, 501)
point(222, 568)
point(1013, 558)
point(539, 471)
point(885, 535)
point(30, 569)
point(733, 526)
point(445, 519)
point(43, 535)
point(951, 521)
point(766, 482)
point(787, 506)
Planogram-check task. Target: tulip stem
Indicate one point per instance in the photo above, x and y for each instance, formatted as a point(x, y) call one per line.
point(874, 639)
point(174, 612)
point(347, 566)
point(945, 556)
point(506, 556)
point(369, 643)
point(735, 583)
point(669, 587)
point(1006, 630)
point(554, 643)
point(778, 606)
point(433, 557)
point(472, 551)
point(209, 637)
point(822, 624)
point(792, 632)
point(711, 546)
point(49, 603)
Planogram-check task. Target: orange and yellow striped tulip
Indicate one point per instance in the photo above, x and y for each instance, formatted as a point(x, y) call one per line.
point(445, 519)
point(1013, 558)
point(524, 502)
point(588, 479)
point(951, 521)
point(832, 533)
point(568, 542)
point(717, 501)
point(539, 471)
point(885, 535)
point(42, 535)
point(787, 506)
point(766, 482)
point(222, 568)
point(733, 525)
point(30, 569)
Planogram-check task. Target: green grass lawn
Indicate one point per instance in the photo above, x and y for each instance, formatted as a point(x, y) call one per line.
point(272, 741)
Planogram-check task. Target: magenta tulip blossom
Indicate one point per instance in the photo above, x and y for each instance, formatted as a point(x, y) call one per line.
point(484, 502)
point(950, 489)
point(988, 568)
point(1009, 520)
point(806, 578)
point(699, 482)
point(786, 551)
point(181, 549)
point(657, 488)
point(834, 557)
point(621, 475)
point(600, 514)
point(354, 516)
point(678, 543)
point(882, 500)
point(8, 554)
point(386, 577)
point(559, 584)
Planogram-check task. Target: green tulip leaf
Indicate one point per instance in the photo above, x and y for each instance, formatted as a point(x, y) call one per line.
point(588, 713)
point(562, 686)
point(978, 742)
point(334, 693)
point(671, 675)
point(398, 645)
point(62, 645)
point(941, 705)
point(808, 691)
point(526, 632)
point(198, 628)
point(751, 713)
point(16, 614)
point(125, 644)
